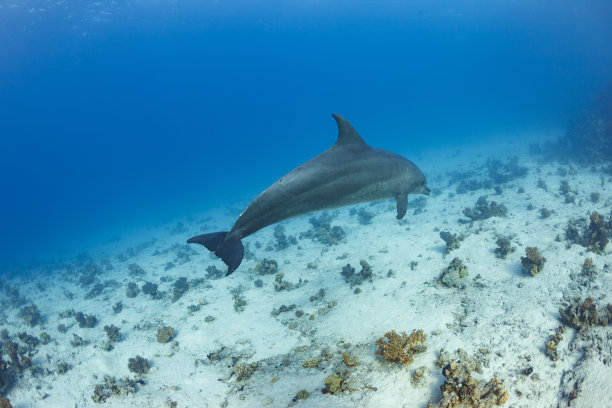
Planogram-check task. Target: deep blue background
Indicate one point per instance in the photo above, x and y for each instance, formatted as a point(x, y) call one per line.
point(114, 116)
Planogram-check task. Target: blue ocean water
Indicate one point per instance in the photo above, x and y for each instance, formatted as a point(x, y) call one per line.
point(120, 115)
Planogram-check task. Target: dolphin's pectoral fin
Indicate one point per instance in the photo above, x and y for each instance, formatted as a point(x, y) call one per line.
point(402, 205)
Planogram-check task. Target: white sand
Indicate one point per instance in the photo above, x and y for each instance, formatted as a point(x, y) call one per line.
point(505, 313)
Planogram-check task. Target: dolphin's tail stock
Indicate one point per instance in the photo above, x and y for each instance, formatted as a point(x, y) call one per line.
point(230, 250)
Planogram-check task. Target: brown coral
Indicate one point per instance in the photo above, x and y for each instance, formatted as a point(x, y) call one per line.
point(5, 403)
point(533, 262)
point(400, 348)
point(553, 343)
point(581, 314)
point(461, 390)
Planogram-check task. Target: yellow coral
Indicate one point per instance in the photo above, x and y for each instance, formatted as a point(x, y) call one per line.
point(351, 362)
point(311, 363)
point(400, 348)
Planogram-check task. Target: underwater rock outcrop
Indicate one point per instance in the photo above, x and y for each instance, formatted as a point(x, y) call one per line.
point(483, 210)
point(401, 348)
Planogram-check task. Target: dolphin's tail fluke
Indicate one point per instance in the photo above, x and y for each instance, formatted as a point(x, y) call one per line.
point(230, 250)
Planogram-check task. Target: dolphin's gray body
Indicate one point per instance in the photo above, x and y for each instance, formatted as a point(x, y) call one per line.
point(350, 172)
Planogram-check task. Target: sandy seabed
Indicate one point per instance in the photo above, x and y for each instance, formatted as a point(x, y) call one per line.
point(239, 341)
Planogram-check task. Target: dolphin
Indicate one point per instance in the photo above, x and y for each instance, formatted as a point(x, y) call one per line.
point(350, 172)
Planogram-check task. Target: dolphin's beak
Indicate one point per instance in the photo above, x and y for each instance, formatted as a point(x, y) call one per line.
point(426, 190)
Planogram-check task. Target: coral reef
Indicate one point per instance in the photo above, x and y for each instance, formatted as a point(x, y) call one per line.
point(179, 288)
point(504, 247)
point(461, 390)
point(138, 365)
point(132, 290)
point(280, 284)
point(113, 334)
point(239, 300)
point(453, 275)
point(266, 267)
point(311, 363)
point(30, 315)
point(111, 387)
point(25, 338)
point(542, 184)
point(243, 372)
point(97, 290)
point(588, 138)
point(85, 321)
point(78, 341)
point(301, 395)
point(118, 307)
point(165, 334)
point(588, 268)
point(453, 241)
point(394, 347)
point(5, 403)
point(583, 314)
point(564, 188)
point(545, 212)
point(365, 216)
point(150, 288)
point(501, 173)
point(63, 367)
point(212, 272)
point(135, 270)
point(483, 210)
point(7, 374)
point(11, 298)
point(357, 278)
point(472, 185)
point(533, 262)
point(282, 240)
point(335, 383)
point(323, 232)
point(553, 342)
point(418, 375)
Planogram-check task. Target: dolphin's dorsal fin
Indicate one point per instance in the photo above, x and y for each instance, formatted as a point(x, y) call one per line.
point(346, 133)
